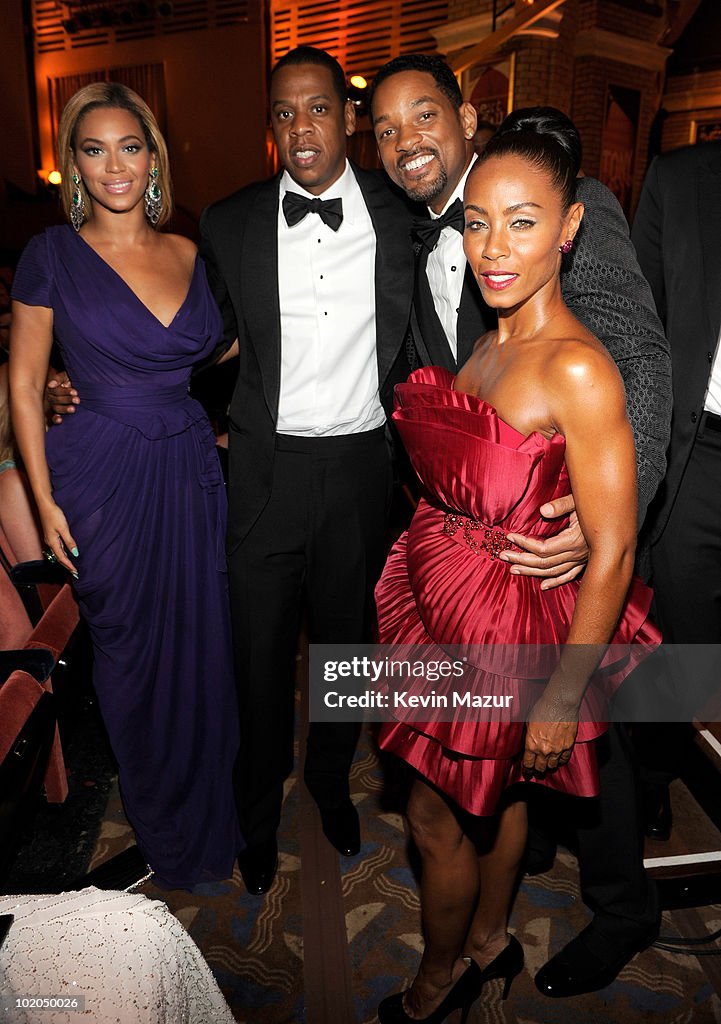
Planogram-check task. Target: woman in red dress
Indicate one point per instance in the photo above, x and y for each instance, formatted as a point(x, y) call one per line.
point(538, 410)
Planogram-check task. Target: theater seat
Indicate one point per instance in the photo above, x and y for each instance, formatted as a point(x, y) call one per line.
point(30, 751)
point(36, 581)
point(28, 730)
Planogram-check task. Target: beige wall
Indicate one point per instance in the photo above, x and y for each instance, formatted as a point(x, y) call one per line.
point(17, 163)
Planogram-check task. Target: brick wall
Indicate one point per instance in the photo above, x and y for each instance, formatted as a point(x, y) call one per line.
point(615, 17)
point(620, 17)
point(547, 72)
point(690, 99)
point(591, 82)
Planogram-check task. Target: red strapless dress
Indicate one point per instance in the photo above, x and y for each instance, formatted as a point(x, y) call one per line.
point(443, 586)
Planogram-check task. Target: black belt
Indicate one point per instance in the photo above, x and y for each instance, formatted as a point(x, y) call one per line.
point(710, 421)
point(330, 444)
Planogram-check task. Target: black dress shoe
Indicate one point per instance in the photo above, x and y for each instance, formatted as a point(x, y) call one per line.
point(342, 828)
point(657, 815)
point(540, 856)
point(578, 968)
point(258, 865)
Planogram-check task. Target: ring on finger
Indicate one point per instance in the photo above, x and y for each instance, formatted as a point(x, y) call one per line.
point(50, 555)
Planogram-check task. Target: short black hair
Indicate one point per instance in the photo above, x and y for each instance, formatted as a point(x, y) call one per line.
point(546, 138)
point(442, 75)
point(312, 55)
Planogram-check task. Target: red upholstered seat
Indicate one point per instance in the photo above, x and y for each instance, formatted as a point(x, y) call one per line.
point(17, 634)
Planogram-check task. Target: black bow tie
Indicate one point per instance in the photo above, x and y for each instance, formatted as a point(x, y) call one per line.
point(428, 230)
point(295, 207)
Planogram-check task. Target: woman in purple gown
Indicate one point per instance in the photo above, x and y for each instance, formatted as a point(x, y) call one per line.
point(129, 491)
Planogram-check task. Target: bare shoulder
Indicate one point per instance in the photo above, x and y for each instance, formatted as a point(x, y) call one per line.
point(180, 248)
point(581, 359)
point(582, 377)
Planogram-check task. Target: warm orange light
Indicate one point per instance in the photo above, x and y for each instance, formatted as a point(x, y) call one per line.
point(55, 178)
point(358, 81)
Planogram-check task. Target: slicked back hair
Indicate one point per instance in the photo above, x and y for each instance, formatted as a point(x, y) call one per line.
point(547, 139)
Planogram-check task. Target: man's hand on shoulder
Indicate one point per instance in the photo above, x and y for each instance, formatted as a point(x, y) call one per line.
point(60, 395)
point(557, 559)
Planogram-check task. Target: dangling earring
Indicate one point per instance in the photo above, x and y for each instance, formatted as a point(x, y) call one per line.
point(153, 197)
point(566, 247)
point(77, 205)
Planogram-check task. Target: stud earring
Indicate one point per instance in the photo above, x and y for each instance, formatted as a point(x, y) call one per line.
point(77, 205)
point(153, 197)
point(566, 247)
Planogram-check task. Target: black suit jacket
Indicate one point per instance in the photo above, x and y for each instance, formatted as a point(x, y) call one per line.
point(603, 286)
point(239, 243)
point(677, 234)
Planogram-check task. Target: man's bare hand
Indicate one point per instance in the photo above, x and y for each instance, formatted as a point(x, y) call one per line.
point(60, 395)
point(549, 738)
point(559, 558)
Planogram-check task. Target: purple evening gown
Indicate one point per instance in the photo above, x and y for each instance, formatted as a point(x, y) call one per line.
point(136, 473)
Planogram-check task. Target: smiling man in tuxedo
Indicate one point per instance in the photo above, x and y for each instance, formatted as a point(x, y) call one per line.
point(314, 274)
point(424, 131)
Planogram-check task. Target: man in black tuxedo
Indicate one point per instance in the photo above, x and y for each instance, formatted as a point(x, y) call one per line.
point(677, 234)
point(424, 132)
point(313, 272)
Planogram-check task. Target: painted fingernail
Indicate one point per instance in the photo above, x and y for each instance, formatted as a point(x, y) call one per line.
point(76, 575)
point(74, 552)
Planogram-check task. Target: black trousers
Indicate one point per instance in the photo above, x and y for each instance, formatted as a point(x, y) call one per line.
point(319, 544)
point(607, 835)
point(614, 883)
point(686, 566)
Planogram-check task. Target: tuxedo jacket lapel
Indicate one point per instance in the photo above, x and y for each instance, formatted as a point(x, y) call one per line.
point(474, 317)
point(393, 268)
point(259, 293)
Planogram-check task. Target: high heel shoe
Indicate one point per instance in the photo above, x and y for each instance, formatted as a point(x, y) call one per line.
point(465, 992)
point(507, 965)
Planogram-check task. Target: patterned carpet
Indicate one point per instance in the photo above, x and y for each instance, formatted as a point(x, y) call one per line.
point(255, 947)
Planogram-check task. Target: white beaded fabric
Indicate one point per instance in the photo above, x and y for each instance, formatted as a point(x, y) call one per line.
point(131, 959)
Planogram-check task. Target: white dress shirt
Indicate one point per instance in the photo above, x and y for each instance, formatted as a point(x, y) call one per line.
point(326, 286)
point(713, 392)
point(446, 269)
